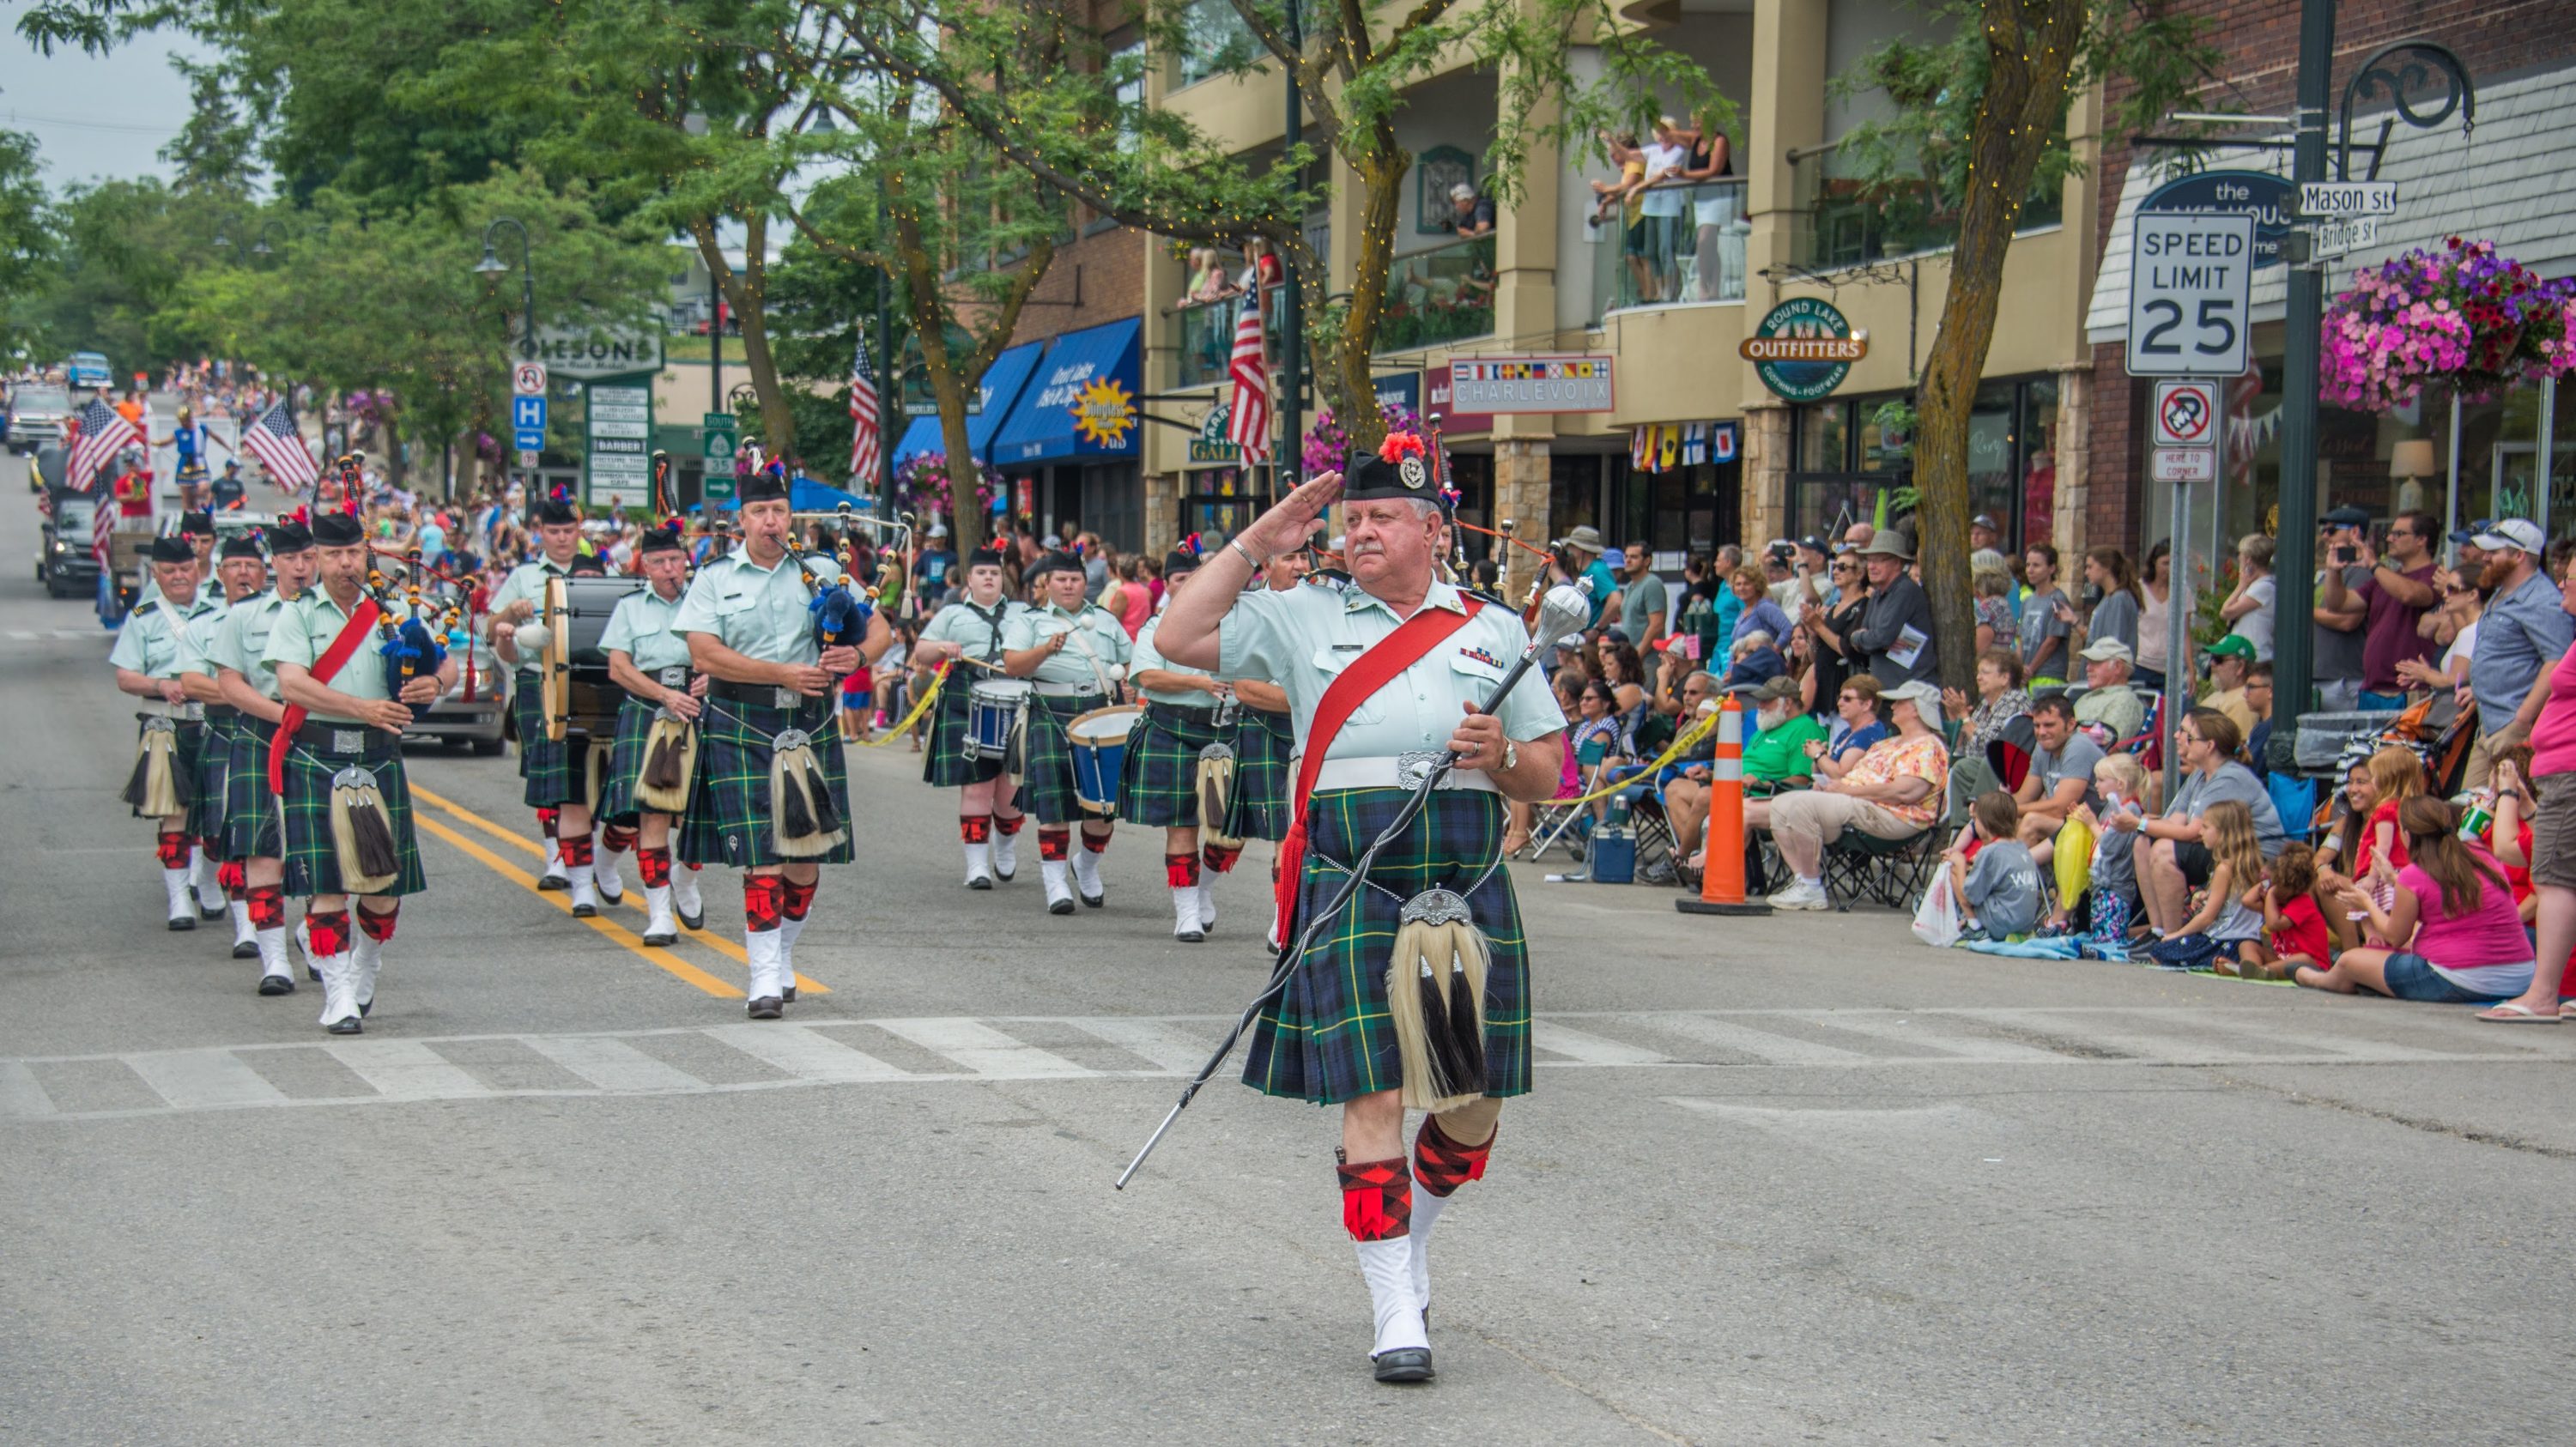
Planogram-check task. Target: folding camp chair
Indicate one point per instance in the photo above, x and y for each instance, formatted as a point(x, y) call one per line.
point(1554, 823)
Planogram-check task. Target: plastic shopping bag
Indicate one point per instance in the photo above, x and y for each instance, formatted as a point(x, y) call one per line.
point(1936, 919)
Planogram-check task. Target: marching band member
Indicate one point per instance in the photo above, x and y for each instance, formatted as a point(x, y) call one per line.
point(1263, 739)
point(242, 570)
point(651, 663)
point(1076, 652)
point(146, 659)
point(1381, 677)
point(546, 765)
point(197, 529)
point(988, 814)
point(772, 798)
point(337, 767)
point(1179, 762)
point(252, 829)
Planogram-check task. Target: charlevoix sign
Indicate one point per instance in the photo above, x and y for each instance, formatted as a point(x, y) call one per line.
point(583, 352)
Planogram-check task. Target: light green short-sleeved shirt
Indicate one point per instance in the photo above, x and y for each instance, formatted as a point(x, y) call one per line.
point(1303, 638)
point(526, 583)
point(1097, 629)
point(640, 628)
point(1147, 656)
point(979, 631)
point(197, 639)
point(244, 637)
point(764, 614)
point(304, 631)
point(149, 642)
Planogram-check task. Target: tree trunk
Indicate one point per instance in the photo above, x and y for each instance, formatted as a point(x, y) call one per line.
point(2030, 46)
point(1353, 385)
point(744, 295)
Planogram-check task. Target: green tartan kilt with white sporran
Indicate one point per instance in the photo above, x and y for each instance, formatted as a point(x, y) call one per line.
point(252, 829)
point(312, 860)
point(1328, 1038)
point(626, 760)
point(729, 821)
point(1158, 783)
point(214, 770)
point(1262, 743)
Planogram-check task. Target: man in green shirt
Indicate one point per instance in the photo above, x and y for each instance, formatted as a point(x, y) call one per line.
point(1777, 753)
point(148, 666)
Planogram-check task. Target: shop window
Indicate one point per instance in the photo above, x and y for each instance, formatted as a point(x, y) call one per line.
point(1574, 494)
point(1434, 172)
point(1217, 503)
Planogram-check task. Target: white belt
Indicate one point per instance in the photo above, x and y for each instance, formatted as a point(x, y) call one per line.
point(163, 708)
point(1068, 690)
point(1396, 771)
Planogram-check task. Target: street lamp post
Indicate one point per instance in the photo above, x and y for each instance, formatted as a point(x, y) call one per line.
point(493, 265)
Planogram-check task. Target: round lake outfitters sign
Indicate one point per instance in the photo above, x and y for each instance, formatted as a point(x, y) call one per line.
point(1804, 349)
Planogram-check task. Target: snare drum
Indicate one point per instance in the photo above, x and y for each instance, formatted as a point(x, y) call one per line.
point(994, 708)
point(1098, 741)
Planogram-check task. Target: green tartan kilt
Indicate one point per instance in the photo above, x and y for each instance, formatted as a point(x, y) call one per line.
point(1262, 743)
point(184, 756)
point(214, 770)
point(1046, 776)
point(626, 760)
point(251, 827)
point(728, 820)
point(1159, 781)
point(1328, 1038)
point(545, 765)
point(944, 763)
point(312, 863)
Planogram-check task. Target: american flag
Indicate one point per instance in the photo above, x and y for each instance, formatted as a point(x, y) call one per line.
point(867, 432)
point(102, 523)
point(104, 432)
point(1248, 410)
point(281, 449)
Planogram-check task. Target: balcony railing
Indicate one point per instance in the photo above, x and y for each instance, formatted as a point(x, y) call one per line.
point(1435, 297)
point(1690, 250)
point(1206, 338)
point(1847, 223)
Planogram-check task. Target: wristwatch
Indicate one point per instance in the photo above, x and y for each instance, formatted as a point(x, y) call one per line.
point(1511, 756)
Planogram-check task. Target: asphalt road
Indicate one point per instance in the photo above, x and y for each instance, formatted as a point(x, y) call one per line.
point(1787, 1180)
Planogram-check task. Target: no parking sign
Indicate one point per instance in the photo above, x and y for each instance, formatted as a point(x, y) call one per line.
point(2186, 413)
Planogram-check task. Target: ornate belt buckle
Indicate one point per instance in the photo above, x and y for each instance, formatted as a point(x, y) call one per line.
point(790, 739)
point(788, 698)
point(1413, 766)
point(348, 741)
point(675, 678)
point(194, 710)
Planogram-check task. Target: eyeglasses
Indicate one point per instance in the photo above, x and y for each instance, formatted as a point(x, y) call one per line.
point(1848, 698)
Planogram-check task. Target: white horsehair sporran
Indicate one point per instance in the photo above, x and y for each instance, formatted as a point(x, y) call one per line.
point(670, 764)
point(362, 833)
point(1435, 994)
point(153, 787)
point(802, 817)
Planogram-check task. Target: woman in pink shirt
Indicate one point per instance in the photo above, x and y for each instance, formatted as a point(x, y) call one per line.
point(2553, 835)
point(2459, 938)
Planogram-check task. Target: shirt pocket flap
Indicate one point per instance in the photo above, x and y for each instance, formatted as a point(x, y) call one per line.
point(1331, 661)
point(1476, 668)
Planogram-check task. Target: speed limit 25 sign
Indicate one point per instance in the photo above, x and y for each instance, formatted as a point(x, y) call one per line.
point(2191, 277)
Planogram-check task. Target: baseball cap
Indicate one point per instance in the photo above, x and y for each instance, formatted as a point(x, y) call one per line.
point(2346, 517)
point(1615, 635)
point(2469, 534)
point(2512, 533)
point(1924, 696)
point(1986, 521)
point(2232, 646)
point(1815, 544)
point(1770, 690)
point(2108, 650)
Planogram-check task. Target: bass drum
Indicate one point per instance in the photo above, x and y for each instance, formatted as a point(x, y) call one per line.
point(579, 698)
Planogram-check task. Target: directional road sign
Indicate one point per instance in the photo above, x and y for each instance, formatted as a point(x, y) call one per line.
point(528, 414)
point(2190, 286)
point(2337, 200)
point(2186, 413)
point(2334, 238)
point(528, 439)
point(2182, 464)
point(528, 379)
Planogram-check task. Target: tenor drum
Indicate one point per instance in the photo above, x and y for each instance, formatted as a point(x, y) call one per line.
point(579, 697)
point(1098, 740)
point(994, 708)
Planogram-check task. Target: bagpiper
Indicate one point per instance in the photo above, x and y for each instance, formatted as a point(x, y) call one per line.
point(163, 783)
point(242, 570)
point(336, 765)
point(652, 764)
point(972, 628)
point(1417, 994)
point(549, 783)
point(197, 529)
point(253, 830)
point(772, 798)
point(1075, 653)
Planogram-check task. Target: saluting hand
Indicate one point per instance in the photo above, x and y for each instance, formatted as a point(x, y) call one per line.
point(1288, 522)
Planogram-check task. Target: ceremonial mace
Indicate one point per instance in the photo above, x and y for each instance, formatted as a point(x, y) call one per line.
point(1566, 609)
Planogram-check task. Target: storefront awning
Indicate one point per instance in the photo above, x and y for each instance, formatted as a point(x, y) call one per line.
point(1082, 401)
point(1002, 383)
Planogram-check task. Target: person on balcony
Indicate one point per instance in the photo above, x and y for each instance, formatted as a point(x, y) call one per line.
point(1470, 215)
point(1708, 164)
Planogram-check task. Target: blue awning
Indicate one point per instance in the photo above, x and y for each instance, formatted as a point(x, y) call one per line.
point(1002, 383)
point(804, 494)
point(1082, 402)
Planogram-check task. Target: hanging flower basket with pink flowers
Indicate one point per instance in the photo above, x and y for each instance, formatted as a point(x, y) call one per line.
point(921, 485)
point(2462, 317)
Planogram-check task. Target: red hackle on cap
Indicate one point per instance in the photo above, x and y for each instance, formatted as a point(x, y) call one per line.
point(1399, 445)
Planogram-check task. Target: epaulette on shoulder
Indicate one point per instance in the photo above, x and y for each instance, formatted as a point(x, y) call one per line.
point(1482, 596)
point(151, 607)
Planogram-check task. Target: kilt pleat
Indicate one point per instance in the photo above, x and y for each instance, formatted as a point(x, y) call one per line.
point(1328, 1038)
point(626, 760)
point(1159, 781)
point(728, 819)
point(1046, 780)
point(1262, 744)
point(252, 829)
point(214, 772)
point(944, 763)
point(545, 765)
point(312, 862)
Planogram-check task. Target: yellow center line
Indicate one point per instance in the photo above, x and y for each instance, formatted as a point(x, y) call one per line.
point(609, 927)
point(718, 943)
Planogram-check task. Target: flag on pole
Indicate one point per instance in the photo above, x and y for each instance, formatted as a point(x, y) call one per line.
point(867, 432)
point(1248, 409)
point(104, 433)
point(102, 523)
point(281, 449)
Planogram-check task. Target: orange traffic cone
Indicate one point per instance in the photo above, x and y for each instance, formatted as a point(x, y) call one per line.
point(1721, 883)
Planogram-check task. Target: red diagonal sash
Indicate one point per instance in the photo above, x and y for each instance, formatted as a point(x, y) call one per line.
point(325, 668)
point(1410, 643)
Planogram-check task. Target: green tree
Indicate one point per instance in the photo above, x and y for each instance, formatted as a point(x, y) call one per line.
point(1980, 117)
point(26, 240)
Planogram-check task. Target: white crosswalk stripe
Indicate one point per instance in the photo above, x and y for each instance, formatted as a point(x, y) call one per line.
point(50, 1088)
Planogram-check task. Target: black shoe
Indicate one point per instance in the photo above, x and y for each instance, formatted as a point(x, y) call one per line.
point(766, 1008)
point(346, 1026)
point(210, 915)
point(550, 883)
point(980, 882)
point(585, 911)
point(246, 950)
point(662, 938)
point(182, 922)
point(276, 985)
point(1059, 906)
point(367, 1008)
point(1405, 1364)
point(694, 921)
point(313, 974)
point(1191, 937)
point(1094, 901)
